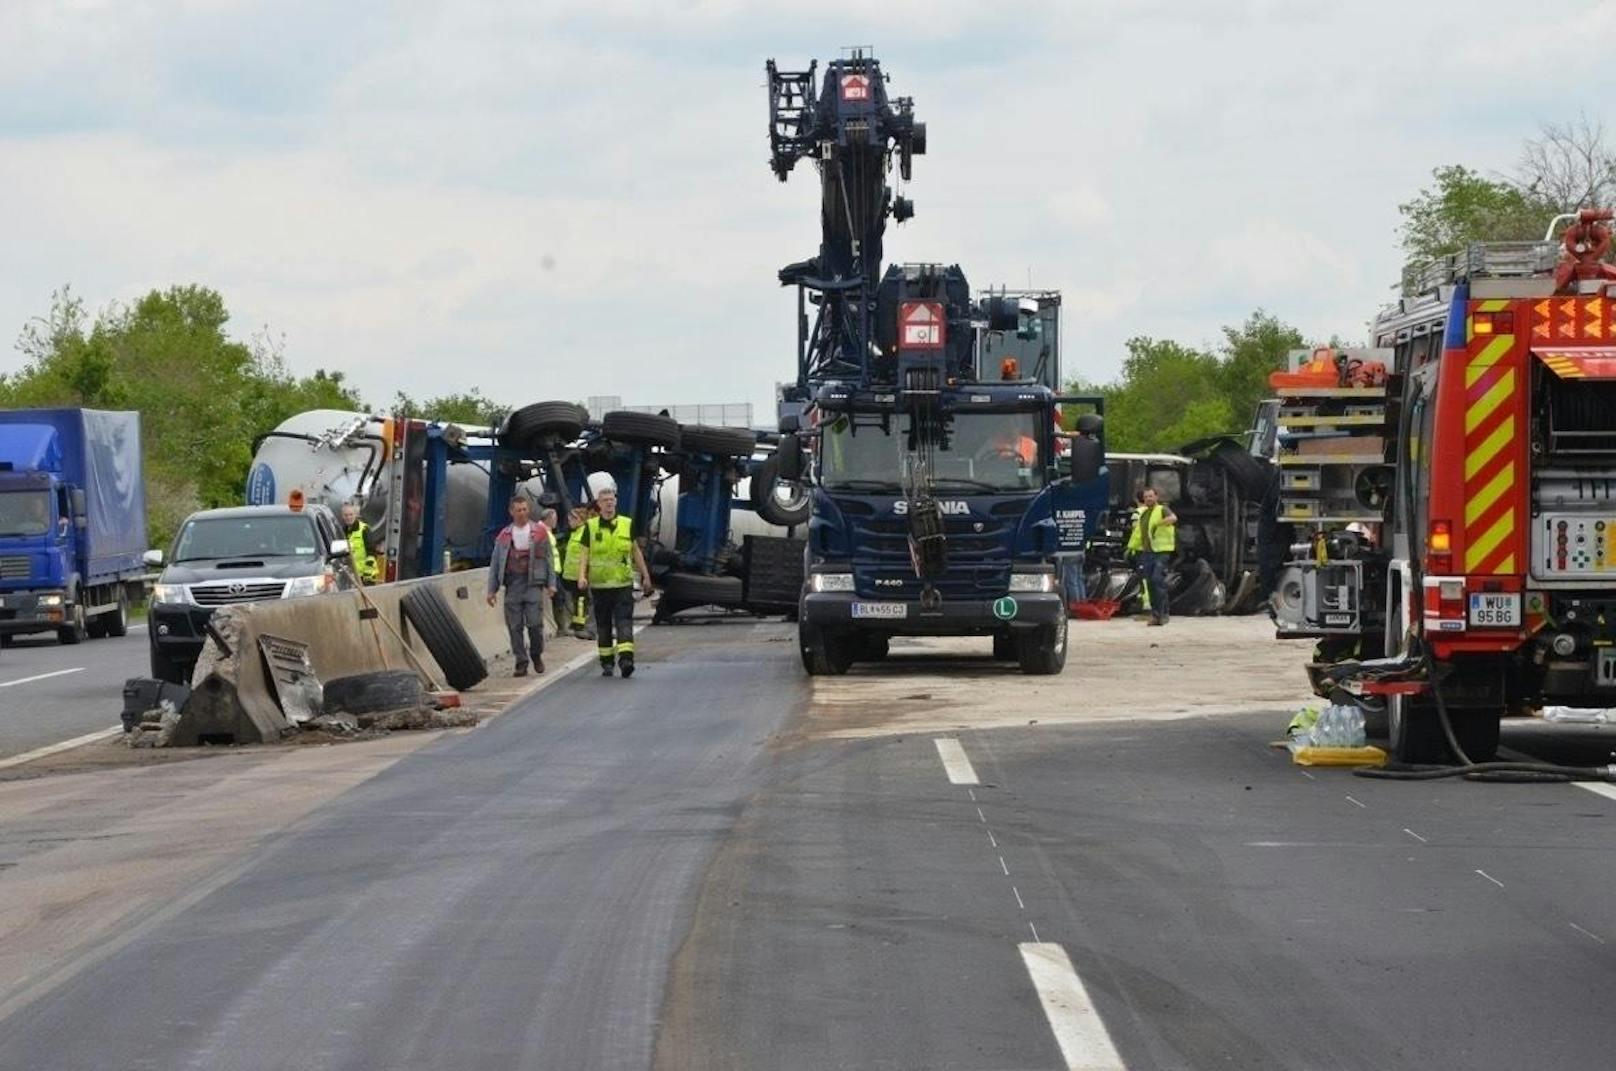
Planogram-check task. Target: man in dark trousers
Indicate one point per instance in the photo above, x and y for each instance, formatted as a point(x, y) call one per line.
point(609, 557)
point(523, 564)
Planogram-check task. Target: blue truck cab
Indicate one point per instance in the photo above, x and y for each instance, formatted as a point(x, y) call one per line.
point(72, 522)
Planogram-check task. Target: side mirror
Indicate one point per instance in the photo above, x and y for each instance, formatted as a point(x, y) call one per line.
point(340, 548)
point(153, 558)
point(790, 455)
point(1088, 459)
point(76, 496)
point(790, 423)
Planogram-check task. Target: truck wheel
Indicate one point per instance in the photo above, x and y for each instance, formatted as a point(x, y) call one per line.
point(766, 487)
point(720, 442)
point(532, 424)
point(428, 611)
point(1042, 651)
point(1415, 735)
point(73, 632)
point(369, 693)
point(824, 653)
point(641, 429)
point(696, 589)
point(115, 622)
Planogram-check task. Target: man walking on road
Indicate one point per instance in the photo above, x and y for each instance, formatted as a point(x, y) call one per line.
point(607, 563)
point(522, 563)
point(1158, 536)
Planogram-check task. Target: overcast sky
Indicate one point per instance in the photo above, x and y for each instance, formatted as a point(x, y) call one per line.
point(566, 199)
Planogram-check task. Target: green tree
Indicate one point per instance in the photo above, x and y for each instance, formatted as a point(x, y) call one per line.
point(1250, 352)
point(1168, 394)
point(468, 407)
point(1464, 206)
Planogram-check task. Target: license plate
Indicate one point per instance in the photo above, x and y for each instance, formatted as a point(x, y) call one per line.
point(883, 610)
point(1605, 669)
point(1496, 610)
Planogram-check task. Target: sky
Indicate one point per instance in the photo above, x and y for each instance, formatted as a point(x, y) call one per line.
point(543, 199)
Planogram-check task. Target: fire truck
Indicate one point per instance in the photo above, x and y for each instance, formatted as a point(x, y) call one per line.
point(1485, 458)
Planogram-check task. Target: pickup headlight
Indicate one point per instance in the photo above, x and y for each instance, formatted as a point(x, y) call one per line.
point(169, 593)
point(831, 582)
point(311, 585)
point(1032, 582)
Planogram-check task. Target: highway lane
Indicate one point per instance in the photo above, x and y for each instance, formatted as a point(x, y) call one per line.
point(676, 871)
point(50, 693)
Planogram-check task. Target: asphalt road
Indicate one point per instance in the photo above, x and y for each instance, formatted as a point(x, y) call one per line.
point(50, 693)
point(670, 872)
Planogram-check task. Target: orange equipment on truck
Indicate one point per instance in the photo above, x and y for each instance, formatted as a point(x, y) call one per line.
point(1494, 580)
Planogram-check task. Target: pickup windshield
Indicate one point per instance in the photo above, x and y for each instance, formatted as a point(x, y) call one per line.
point(991, 452)
point(25, 513)
point(212, 539)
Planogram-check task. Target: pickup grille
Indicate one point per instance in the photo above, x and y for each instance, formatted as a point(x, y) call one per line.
point(14, 567)
point(226, 593)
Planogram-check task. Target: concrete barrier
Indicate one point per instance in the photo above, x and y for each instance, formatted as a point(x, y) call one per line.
point(343, 639)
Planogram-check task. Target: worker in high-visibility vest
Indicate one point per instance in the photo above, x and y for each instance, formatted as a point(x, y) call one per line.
point(360, 549)
point(606, 567)
point(1157, 528)
point(577, 605)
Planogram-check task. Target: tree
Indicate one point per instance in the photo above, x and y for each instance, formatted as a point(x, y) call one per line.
point(1464, 206)
point(1570, 165)
point(468, 407)
point(1250, 352)
point(1167, 395)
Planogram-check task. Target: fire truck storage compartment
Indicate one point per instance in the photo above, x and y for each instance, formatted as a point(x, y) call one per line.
point(1574, 482)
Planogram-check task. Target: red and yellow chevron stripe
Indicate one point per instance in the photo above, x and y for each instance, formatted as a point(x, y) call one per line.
point(1557, 319)
point(1491, 513)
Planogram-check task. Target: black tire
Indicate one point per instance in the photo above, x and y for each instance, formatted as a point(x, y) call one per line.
point(767, 502)
point(115, 622)
point(1249, 473)
point(75, 632)
point(1004, 647)
point(1414, 736)
point(641, 429)
point(720, 442)
point(1478, 731)
point(873, 647)
point(7, 640)
point(428, 611)
point(94, 628)
point(695, 589)
point(824, 653)
point(369, 693)
point(1042, 651)
point(534, 424)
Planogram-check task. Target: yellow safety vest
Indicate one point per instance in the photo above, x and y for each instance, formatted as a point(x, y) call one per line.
point(364, 562)
point(1163, 537)
point(569, 563)
point(611, 552)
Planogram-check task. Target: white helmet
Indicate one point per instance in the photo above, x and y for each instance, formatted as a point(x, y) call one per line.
point(599, 482)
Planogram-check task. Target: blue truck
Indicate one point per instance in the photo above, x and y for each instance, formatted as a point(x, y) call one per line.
point(945, 494)
point(72, 522)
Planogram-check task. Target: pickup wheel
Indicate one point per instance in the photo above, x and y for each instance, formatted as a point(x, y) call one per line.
point(824, 653)
point(1042, 651)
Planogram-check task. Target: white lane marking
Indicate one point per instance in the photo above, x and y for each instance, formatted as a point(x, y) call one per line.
point(1490, 878)
point(1415, 835)
point(1019, 902)
point(1084, 1042)
point(1586, 933)
point(65, 745)
point(956, 762)
point(972, 793)
point(991, 839)
point(1598, 788)
point(982, 816)
point(1307, 775)
point(1034, 930)
point(42, 676)
point(1003, 867)
point(1355, 803)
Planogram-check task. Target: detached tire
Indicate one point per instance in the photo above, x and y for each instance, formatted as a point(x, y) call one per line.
point(696, 589)
point(428, 611)
point(370, 693)
point(533, 424)
point(641, 429)
point(766, 499)
point(720, 442)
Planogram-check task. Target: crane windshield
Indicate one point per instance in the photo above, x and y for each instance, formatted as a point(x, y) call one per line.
point(989, 452)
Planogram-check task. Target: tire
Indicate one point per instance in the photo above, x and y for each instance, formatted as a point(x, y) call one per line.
point(1250, 474)
point(1413, 733)
point(370, 693)
point(695, 589)
point(95, 629)
point(767, 502)
point(1004, 647)
point(74, 633)
point(533, 424)
point(1042, 651)
point(873, 647)
point(1478, 732)
point(447, 639)
point(641, 429)
point(720, 442)
point(824, 654)
point(115, 622)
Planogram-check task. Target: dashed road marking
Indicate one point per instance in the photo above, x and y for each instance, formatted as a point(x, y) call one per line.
point(992, 840)
point(1084, 1042)
point(1355, 803)
point(1019, 902)
point(1003, 867)
point(1415, 835)
point(41, 677)
point(1586, 933)
point(955, 762)
point(1490, 878)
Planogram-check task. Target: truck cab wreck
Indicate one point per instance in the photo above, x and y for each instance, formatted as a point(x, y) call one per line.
point(923, 417)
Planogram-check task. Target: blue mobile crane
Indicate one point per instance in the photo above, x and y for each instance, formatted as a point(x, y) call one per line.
point(939, 504)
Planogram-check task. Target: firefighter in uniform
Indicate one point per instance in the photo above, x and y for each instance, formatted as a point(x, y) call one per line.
point(608, 559)
point(360, 540)
point(577, 519)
